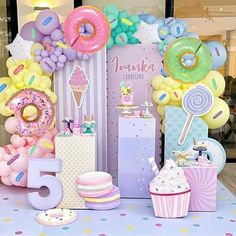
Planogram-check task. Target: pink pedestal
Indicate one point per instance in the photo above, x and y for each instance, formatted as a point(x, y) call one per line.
point(203, 182)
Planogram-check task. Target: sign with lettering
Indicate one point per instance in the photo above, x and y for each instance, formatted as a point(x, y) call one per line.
point(137, 64)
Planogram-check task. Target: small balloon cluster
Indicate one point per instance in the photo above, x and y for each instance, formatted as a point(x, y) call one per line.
point(51, 49)
point(123, 26)
point(14, 156)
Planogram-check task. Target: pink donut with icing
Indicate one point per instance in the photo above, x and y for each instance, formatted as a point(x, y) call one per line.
point(45, 111)
point(87, 43)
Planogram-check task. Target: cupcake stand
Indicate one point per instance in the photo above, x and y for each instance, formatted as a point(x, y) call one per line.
point(81, 166)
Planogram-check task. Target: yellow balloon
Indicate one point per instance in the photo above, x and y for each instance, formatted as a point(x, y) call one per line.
point(177, 104)
point(215, 82)
point(218, 115)
point(176, 95)
point(157, 81)
point(163, 126)
point(168, 89)
point(53, 98)
point(20, 85)
point(45, 82)
point(9, 62)
point(161, 97)
point(161, 110)
point(35, 68)
point(4, 110)
point(36, 46)
point(17, 78)
point(32, 80)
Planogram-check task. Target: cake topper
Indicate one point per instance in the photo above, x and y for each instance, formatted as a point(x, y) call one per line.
point(181, 157)
point(89, 125)
point(68, 121)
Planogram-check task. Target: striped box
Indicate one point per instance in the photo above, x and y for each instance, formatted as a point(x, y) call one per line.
point(171, 205)
point(95, 101)
point(203, 183)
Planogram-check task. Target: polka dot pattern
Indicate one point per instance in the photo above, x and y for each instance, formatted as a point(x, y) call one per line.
point(75, 163)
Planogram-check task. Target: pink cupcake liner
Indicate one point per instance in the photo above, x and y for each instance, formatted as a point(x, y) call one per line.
point(173, 205)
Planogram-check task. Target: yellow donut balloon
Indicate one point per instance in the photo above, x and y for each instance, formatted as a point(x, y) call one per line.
point(158, 81)
point(161, 97)
point(215, 82)
point(218, 115)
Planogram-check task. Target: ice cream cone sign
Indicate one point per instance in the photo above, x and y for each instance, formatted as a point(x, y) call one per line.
point(79, 85)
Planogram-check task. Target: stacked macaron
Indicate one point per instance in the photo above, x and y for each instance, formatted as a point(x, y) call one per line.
point(98, 191)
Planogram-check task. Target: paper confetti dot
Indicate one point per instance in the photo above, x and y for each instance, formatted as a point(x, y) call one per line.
point(18, 232)
point(233, 212)
point(18, 203)
point(15, 209)
point(228, 234)
point(122, 214)
point(196, 217)
point(232, 220)
point(130, 227)
point(131, 206)
point(86, 218)
point(42, 234)
point(103, 219)
point(5, 198)
point(87, 231)
point(7, 220)
point(220, 217)
point(196, 225)
point(102, 235)
point(158, 225)
point(221, 197)
point(184, 230)
point(233, 203)
point(66, 228)
point(145, 218)
point(149, 206)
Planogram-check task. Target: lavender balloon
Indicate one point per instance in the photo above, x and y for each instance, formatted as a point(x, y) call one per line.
point(69, 53)
point(47, 21)
point(57, 35)
point(196, 102)
point(30, 32)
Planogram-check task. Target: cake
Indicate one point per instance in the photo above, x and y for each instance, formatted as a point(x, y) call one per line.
point(127, 97)
point(170, 192)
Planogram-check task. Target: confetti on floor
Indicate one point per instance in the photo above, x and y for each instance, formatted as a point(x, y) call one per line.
point(133, 218)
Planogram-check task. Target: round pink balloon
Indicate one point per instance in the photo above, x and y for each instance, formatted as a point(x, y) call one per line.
point(2, 153)
point(17, 141)
point(35, 151)
point(6, 180)
point(7, 157)
point(5, 169)
point(21, 163)
point(22, 149)
point(10, 125)
point(19, 178)
point(54, 132)
point(31, 140)
point(47, 135)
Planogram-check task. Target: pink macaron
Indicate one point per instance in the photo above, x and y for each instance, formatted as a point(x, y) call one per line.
point(94, 184)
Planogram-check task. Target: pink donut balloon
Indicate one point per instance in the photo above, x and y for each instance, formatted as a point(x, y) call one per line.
point(96, 37)
point(32, 97)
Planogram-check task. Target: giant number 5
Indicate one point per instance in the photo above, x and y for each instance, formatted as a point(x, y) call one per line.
point(35, 167)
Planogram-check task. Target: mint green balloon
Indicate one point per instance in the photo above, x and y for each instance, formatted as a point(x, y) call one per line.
point(123, 14)
point(111, 9)
point(113, 20)
point(121, 39)
point(110, 43)
point(134, 18)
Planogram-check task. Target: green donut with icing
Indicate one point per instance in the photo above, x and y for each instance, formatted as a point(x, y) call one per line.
point(188, 60)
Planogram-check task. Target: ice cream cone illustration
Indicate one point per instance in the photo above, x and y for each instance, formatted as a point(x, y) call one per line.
point(79, 84)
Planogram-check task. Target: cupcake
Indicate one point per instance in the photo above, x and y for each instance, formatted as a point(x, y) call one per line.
point(170, 192)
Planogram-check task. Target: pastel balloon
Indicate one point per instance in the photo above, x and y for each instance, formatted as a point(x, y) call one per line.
point(22, 149)
point(47, 21)
point(10, 125)
point(218, 115)
point(215, 82)
point(5, 169)
point(161, 110)
point(18, 178)
point(177, 30)
point(2, 153)
point(36, 46)
point(35, 151)
point(17, 141)
point(6, 180)
point(163, 31)
point(170, 21)
point(157, 81)
point(176, 95)
point(218, 52)
point(161, 97)
point(31, 140)
point(35, 68)
point(30, 32)
point(70, 53)
point(20, 163)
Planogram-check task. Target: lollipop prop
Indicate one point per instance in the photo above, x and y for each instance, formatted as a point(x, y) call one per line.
point(196, 102)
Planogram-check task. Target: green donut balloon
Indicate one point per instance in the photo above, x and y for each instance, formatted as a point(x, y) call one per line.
point(188, 60)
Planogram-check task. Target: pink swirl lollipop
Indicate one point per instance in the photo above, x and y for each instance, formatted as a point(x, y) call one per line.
point(196, 102)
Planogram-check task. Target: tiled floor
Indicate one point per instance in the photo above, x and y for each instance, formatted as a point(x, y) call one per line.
point(133, 217)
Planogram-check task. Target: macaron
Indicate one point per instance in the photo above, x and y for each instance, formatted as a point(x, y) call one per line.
point(106, 202)
point(94, 184)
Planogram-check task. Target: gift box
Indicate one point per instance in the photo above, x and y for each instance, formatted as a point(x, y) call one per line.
point(202, 181)
point(136, 144)
point(78, 155)
point(94, 103)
